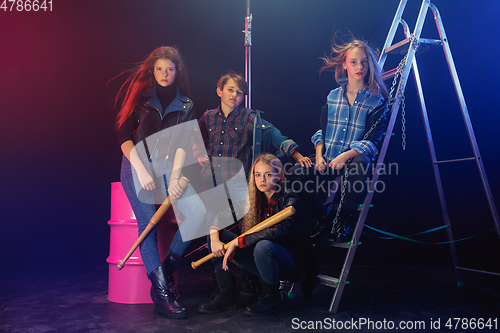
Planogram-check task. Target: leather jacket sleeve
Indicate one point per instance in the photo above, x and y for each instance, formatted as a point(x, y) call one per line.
point(323, 121)
point(279, 230)
point(127, 129)
point(376, 135)
point(198, 146)
point(225, 217)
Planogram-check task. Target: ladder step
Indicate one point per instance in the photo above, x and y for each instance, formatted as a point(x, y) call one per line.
point(401, 47)
point(425, 45)
point(398, 48)
point(331, 242)
point(328, 280)
point(360, 207)
point(389, 74)
point(344, 245)
point(456, 160)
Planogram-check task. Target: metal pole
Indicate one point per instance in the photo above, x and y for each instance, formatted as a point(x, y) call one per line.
point(248, 55)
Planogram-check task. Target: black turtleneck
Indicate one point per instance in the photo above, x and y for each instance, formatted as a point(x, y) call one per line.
point(166, 95)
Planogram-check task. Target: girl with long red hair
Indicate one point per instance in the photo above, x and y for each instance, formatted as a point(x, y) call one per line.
point(156, 100)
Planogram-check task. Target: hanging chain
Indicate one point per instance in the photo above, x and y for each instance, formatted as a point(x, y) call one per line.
point(415, 44)
point(342, 195)
point(403, 123)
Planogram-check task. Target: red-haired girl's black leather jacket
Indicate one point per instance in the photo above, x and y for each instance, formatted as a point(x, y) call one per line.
point(147, 119)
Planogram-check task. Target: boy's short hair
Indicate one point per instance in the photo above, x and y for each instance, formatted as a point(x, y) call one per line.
point(238, 79)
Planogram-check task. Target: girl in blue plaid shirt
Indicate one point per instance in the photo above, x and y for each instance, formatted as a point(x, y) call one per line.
point(353, 122)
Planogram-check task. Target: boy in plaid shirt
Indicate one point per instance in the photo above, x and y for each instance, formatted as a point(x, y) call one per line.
point(233, 137)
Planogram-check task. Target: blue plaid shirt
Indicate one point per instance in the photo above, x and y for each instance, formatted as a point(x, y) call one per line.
point(228, 137)
point(346, 124)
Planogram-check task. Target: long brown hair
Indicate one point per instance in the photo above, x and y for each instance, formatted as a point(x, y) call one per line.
point(256, 213)
point(142, 80)
point(338, 56)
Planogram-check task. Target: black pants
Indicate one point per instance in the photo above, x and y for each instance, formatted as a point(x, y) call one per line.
point(312, 186)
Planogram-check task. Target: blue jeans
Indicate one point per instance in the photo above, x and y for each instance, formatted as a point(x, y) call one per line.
point(266, 259)
point(190, 205)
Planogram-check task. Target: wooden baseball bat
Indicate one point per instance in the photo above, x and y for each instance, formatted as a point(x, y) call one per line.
point(183, 183)
point(275, 219)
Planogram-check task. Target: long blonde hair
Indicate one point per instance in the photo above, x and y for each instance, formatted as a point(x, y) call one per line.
point(256, 213)
point(338, 56)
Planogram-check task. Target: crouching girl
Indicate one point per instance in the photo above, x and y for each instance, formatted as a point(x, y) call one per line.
point(280, 252)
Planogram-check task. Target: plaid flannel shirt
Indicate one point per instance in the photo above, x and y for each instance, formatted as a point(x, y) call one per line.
point(227, 137)
point(346, 124)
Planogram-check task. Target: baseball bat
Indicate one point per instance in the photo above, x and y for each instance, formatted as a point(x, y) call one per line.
point(276, 218)
point(183, 183)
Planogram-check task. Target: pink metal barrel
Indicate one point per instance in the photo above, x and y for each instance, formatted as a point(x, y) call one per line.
point(131, 285)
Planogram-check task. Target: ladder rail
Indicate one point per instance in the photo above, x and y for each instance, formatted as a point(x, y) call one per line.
point(411, 59)
point(435, 166)
point(410, 54)
point(394, 111)
point(392, 32)
point(334, 304)
point(465, 114)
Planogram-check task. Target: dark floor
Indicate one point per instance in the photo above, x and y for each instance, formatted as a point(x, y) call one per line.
point(74, 300)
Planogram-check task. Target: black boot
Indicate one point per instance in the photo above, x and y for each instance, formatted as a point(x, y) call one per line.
point(250, 285)
point(324, 227)
point(310, 279)
point(342, 232)
point(343, 228)
point(250, 288)
point(226, 298)
point(172, 262)
point(164, 302)
point(267, 303)
point(170, 265)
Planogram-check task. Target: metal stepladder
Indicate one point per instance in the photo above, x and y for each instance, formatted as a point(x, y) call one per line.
point(409, 46)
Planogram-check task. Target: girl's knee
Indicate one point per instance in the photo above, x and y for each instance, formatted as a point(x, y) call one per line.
point(263, 247)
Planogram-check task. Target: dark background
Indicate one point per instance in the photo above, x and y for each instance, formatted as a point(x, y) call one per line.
point(58, 146)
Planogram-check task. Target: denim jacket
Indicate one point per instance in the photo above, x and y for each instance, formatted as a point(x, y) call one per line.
point(266, 135)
